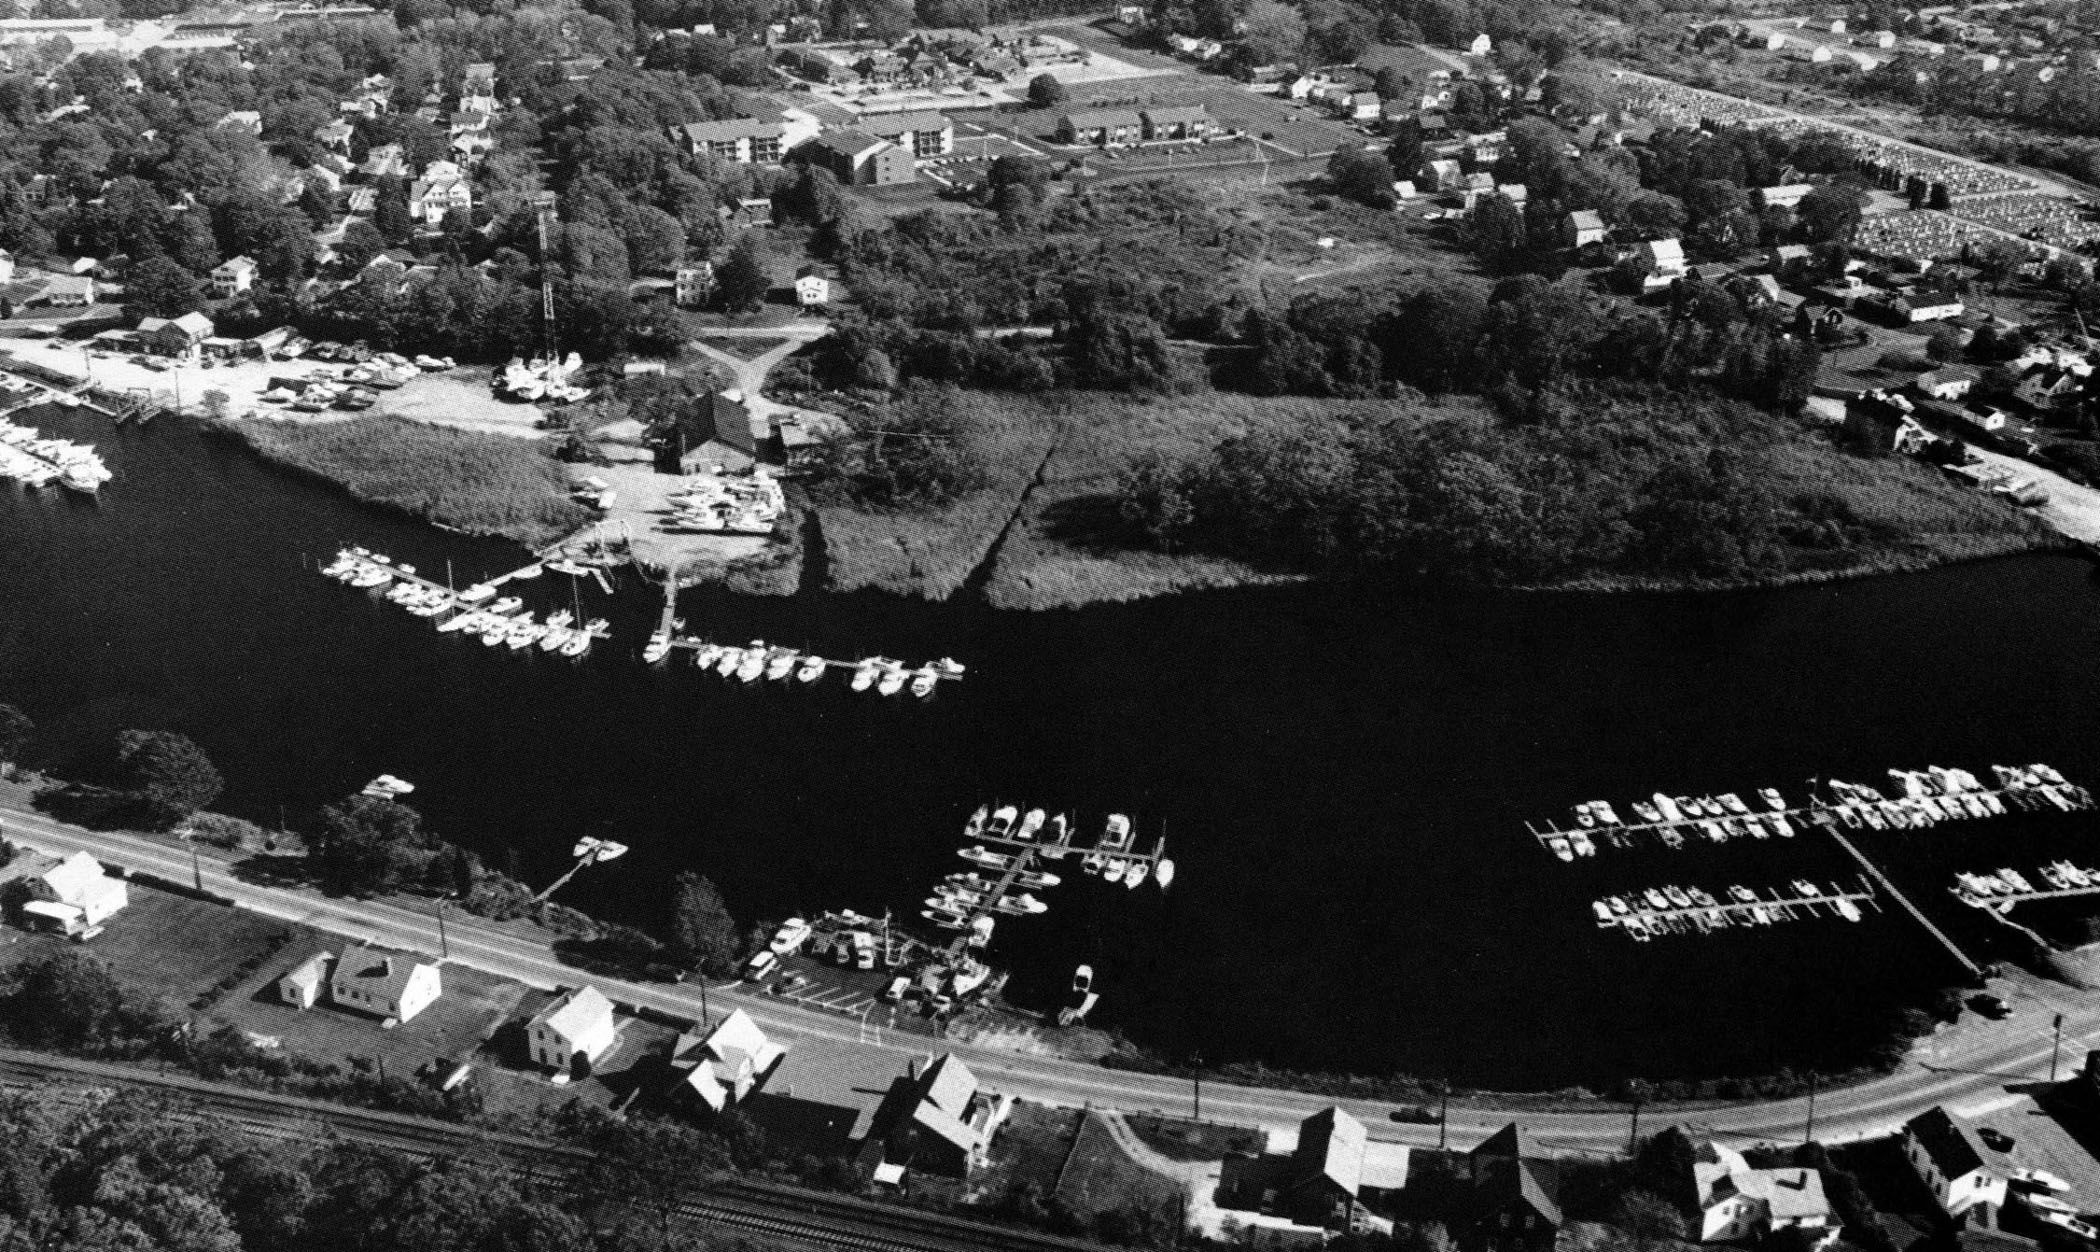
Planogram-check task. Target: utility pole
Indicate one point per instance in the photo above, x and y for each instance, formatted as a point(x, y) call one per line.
point(189, 837)
point(544, 213)
point(444, 941)
point(1808, 1128)
point(2056, 1048)
point(1443, 1119)
point(1196, 1075)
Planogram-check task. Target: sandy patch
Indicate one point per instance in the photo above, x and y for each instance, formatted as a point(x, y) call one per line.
point(463, 400)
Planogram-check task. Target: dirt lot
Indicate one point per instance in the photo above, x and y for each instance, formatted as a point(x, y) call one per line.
point(463, 400)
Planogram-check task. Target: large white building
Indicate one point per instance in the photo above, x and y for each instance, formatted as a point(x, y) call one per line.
point(394, 985)
point(74, 896)
point(569, 1035)
point(1737, 1202)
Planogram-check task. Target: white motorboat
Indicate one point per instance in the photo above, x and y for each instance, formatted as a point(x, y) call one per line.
point(507, 606)
point(708, 654)
point(1603, 912)
point(1560, 846)
point(1164, 873)
point(1115, 869)
point(1657, 899)
point(1118, 834)
point(658, 647)
point(1031, 823)
point(781, 663)
point(1773, 800)
point(578, 644)
point(1037, 878)
point(1732, 803)
point(555, 637)
point(975, 826)
point(754, 664)
point(1021, 905)
point(1847, 910)
point(498, 632)
point(1677, 896)
point(811, 670)
point(923, 682)
point(893, 677)
point(867, 673)
point(1583, 844)
point(731, 659)
point(1083, 979)
point(1138, 872)
point(371, 576)
point(472, 620)
point(1002, 822)
point(1666, 808)
point(978, 854)
point(477, 593)
point(523, 633)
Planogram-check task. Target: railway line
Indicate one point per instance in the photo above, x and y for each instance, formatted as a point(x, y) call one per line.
point(751, 1206)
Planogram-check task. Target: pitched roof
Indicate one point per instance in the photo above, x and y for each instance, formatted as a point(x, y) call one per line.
point(1512, 1142)
point(1951, 1145)
point(839, 1075)
point(73, 877)
point(376, 972)
point(729, 131)
point(850, 143)
point(1533, 1183)
point(890, 125)
point(577, 1014)
point(1586, 219)
point(950, 1084)
point(1332, 1143)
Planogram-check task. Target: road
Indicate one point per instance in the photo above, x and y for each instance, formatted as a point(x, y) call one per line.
point(750, 373)
point(1967, 1065)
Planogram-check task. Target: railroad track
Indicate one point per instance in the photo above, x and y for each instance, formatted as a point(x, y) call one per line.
point(748, 1205)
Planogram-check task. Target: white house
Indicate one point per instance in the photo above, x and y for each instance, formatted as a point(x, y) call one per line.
point(74, 896)
point(1949, 382)
point(570, 1034)
point(1661, 262)
point(811, 287)
point(692, 283)
point(300, 986)
point(394, 985)
point(1481, 45)
point(233, 277)
point(723, 1067)
point(1950, 1157)
point(1737, 1202)
point(1925, 306)
point(1585, 227)
point(430, 199)
point(1783, 196)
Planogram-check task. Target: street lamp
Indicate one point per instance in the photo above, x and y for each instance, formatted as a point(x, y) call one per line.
point(189, 836)
point(1196, 1076)
point(444, 941)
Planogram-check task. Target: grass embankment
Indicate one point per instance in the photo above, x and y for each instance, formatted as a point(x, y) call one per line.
point(932, 552)
point(481, 484)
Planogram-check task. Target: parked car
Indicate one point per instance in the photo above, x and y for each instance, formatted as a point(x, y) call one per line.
point(1991, 1006)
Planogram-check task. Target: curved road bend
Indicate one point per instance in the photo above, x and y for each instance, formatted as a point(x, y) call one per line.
point(1967, 1067)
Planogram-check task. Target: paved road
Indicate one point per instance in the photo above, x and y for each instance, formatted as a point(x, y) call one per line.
point(1965, 1066)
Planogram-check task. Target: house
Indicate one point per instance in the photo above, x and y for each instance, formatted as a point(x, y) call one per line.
point(1481, 45)
point(335, 136)
point(180, 337)
point(1965, 1175)
point(692, 284)
point(1323, 1184)
point(1516, 1190)
point(73, 896)
point(827, 1095)
point(1439, 176)
point(1175, 124)
point(1949, 382)
point(1100, 128)
point(569, 1035)
point(1788, 257)
point(1924, 306)
point(1659, 262)
point(926, 134)
point(724, 1066)
point(241, 119)
point(1816, 54)
point(301, 985)
point(942, 1125)
point(858, 159)
point(394, 985)
point(811, 287)
point(1583, 227)
point(1737, 1202)
point(1879, 39)
point(1356, 106)
point(1982, 62)
point(233, 277)
point(1784, 196)
point(2048, 387)
point(741, 141)
point(430, 199)
point(388, 160)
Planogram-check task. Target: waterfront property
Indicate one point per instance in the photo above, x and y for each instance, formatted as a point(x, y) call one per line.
point(391, 985)
point(1737, 1202)
point(723, 1066)
point(1333, 1178)
point(569, 1035)
point(1516, 1191)
point(2020, 1166)
point(71, 895)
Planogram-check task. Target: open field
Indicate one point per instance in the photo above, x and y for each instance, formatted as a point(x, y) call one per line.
point(462, 400)
point(479, 483)
point(1100, 1176)
point(1295, 128)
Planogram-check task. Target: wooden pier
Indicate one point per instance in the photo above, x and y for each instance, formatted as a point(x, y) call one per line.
point(1641, 919)
point(1763, 822)
point(2003, 901)
point(1874, 871)
point(1029, 855)
point(668, 623)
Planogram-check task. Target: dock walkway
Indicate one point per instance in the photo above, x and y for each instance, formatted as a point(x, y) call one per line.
point(1644, 920)
point(1874, 872)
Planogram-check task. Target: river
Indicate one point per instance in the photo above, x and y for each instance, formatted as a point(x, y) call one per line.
point(1343, 773)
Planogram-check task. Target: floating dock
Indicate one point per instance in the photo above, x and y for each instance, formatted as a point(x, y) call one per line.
point(1675, 910)
point(785, 664)
point(1931, 797)
point(956, 905)
point(1998, 890)
point(445, 607)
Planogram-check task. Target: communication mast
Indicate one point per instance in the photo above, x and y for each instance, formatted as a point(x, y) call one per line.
point(543, 207)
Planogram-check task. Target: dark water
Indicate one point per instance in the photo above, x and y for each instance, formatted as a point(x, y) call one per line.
point(1343, 774)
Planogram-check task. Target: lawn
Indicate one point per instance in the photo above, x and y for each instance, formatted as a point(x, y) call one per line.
point(1182, 1140)
point(479, 483)
point(169, 947)
point(1099, 1177)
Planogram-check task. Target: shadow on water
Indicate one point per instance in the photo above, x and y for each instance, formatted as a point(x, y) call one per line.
point(1343, 773)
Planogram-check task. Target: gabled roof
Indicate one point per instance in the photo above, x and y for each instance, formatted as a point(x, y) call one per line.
point(73, 877)
point(1332, 1143)
point(1586, 219)
point(576, 1015)
point(729, 131)
point(850, 143)
point(384, 975)
point(1952, 1146)
point(1529, 1182)
point(1512, 1142)
point(950, 1085)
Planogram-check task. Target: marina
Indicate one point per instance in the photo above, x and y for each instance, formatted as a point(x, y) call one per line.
point(1677, 910)
point(756, 660)
point(27, 457)
point(1998, 890)
point(1925, 798)
point(972, 902)
point(496, 622)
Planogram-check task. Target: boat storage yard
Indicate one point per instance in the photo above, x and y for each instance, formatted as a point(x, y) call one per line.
point(1924, 798)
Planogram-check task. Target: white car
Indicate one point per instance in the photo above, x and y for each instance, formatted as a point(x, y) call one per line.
point(793, 933)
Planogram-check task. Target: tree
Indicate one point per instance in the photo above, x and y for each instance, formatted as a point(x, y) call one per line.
point(15, 731)
point(1946, 344)
point(1275, 32)
point(167, 774)
point(367, 845)
point(1046, 92)
point(742, 281)
point(703, 934)
point(158, 287)
point(1365, 177)
point(1496, 229)
point(65, 1000)
point(1830, 213)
